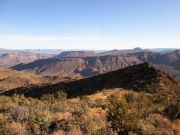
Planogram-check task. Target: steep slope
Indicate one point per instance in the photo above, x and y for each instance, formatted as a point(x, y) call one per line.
point(142, 77)
point(171, 58)
point(147, 56)
point(10, 79)
point(78, 67)
point(169, 62)
point(16, 57)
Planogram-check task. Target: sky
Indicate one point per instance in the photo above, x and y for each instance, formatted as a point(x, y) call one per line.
point(89, 24)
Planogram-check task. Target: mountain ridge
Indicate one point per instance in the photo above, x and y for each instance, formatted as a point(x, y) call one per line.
point(14, 58)
point(141, 78)
point(78, 66)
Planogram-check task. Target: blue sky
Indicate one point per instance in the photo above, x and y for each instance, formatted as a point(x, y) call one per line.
point(89, 24)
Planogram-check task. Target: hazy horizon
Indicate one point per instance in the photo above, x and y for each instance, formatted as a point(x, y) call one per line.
point(87, 49)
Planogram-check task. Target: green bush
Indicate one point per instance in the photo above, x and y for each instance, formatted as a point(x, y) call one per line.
point(123, 116)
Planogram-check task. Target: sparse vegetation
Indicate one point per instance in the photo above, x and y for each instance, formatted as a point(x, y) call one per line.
point(122, 115)
point(71, 108)
point(55, 114)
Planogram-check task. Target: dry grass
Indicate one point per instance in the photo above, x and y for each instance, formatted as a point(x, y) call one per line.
point(77, 116)
point(62, 116)
point(10, 79)
point(16, 129)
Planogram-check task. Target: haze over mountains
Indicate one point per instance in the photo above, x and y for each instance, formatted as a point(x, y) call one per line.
point(12, 58)
point(75, 64)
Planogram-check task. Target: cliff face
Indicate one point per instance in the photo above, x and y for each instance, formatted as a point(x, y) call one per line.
point(76, 66)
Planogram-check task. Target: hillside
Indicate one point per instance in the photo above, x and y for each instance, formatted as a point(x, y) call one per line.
point(17, 57)
point(146, 99)
point(169, 62)
point(142, 77)
point(78, 67)
point(10, 79)
point(152, 57)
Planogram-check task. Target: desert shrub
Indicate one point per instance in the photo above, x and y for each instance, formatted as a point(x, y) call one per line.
point(5, 104)
point(129, 98)
point(19, 113)
point(100, 103)
point(58, 96)
point(4, 119)
point(48, 97)
point(173, 110)
point(63, 125)
point(39, 119)
point(106, 131)
point(80, 124)
point(143, 103)
point(159, 98)
point(88, 125)
point(123, 116)
point(84, 98)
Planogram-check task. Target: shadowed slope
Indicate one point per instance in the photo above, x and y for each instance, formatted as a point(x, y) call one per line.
point(169, 62)
point(142, 77)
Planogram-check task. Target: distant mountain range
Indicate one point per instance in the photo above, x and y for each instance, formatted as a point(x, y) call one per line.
point(73, 64)
point(78, 66)
point(17, 57)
